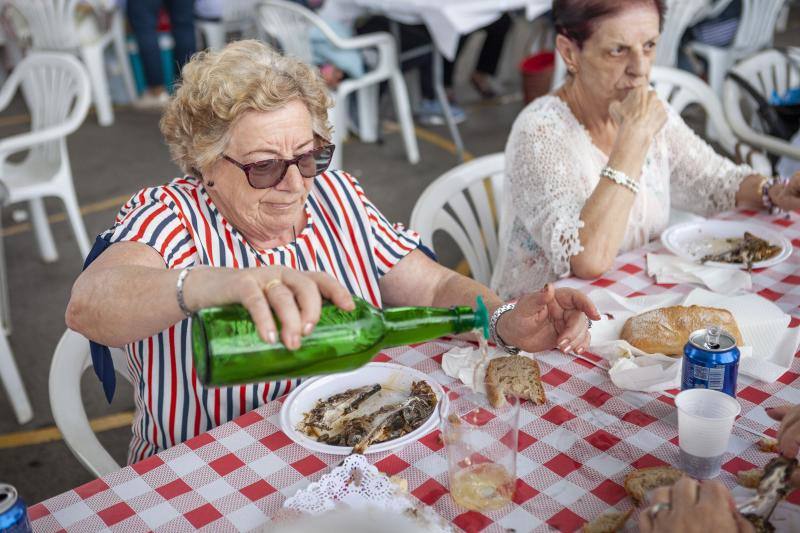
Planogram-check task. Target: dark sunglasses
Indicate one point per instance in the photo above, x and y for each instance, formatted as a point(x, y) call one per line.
point(269, 173)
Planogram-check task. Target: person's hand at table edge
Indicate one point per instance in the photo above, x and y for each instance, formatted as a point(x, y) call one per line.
point(549, 318)
point(689, 506)
point(788, 434)
point(787, 195)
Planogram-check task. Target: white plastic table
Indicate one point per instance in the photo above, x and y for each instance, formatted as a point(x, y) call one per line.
point(446, 20)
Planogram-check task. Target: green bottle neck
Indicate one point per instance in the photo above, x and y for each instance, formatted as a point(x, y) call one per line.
point(410, 325)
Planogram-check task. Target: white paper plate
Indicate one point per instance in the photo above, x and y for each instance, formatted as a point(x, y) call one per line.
point(693, 240)
point(303, 399)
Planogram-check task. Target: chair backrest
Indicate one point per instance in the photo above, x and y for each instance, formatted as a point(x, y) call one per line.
point(70, 360)
point(680, 14)
point(52, 23)
point(767, 71)
point(682, 89)
point(757, 24)
point(459, 203)
point(290, 25)
point(57, 91)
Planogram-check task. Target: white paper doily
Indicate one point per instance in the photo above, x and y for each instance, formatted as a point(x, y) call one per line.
point(359, 485)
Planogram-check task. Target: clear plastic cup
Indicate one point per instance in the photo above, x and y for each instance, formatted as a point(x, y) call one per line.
point(481, 445)
point(705, 421)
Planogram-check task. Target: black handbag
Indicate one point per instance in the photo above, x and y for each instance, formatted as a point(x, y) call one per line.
point(780, 121)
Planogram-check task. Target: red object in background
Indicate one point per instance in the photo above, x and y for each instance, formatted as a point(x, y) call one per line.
point(163, 21)
point(537, 74)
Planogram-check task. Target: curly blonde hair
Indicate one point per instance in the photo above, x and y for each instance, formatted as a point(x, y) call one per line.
point(219, 87)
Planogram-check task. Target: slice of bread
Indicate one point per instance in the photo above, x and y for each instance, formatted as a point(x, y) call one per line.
point(608, 522)
point(639, 482)
point(514, 375)
point(750, 478)
point(768, 445)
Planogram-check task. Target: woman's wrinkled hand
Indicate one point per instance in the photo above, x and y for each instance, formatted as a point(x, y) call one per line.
point(550, 318)
point(787, 196)
point(294, 297)
point(689, 507)
point(640, 112)
point(788, 434)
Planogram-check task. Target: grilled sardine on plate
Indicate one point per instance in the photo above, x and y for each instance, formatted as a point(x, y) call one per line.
point(747, 250)
point(367, 415)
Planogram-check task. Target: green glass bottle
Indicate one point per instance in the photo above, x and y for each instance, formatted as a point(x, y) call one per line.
point(228, 350)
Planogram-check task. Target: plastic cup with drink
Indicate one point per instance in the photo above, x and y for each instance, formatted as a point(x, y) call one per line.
point(481, 444)
point(705, 422)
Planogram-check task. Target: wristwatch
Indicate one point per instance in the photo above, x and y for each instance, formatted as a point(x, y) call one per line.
point(513, 350)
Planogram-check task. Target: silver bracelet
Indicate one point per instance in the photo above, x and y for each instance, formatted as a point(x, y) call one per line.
point(620, 178)
point(513, 350)
point(179, 290)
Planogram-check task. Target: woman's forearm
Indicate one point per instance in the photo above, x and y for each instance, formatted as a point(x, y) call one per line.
point(605, 213)
point(121, 304)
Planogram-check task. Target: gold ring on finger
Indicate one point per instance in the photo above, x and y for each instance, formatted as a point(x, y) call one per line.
point(271, 284)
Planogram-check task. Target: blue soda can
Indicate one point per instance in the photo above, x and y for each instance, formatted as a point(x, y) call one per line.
point(13, 513)
point(710, 361)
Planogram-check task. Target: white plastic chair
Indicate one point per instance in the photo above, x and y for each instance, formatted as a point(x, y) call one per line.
point(770, 70)
point(237, 16)
point(682, 89)
point(70, 361)
point(754, 33)
point(56, 89)
point(680, 14)
point(9, 373)
point(458, 203)
point(53, 27)
point(289, 24)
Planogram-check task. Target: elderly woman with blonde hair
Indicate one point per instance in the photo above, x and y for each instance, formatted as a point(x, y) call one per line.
point(259, 219)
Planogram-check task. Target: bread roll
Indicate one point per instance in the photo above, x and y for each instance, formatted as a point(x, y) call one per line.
point(639, 482)
point(666, 330)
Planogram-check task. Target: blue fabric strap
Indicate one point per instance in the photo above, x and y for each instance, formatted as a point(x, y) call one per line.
point(101, 355)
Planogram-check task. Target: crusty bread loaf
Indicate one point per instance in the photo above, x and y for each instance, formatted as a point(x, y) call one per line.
point(666, 330)
point(609, 522)
point(639, 482)
point(515, 375)
point(750, 478)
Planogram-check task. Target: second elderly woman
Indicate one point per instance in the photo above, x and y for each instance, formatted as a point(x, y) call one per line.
point(259, 219)
point(594, 169)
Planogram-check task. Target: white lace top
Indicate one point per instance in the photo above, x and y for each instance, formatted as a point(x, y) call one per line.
point(552, 167)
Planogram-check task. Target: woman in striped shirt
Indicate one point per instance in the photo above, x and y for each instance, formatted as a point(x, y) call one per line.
point(258, 219)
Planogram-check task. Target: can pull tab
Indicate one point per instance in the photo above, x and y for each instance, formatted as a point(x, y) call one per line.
point(712, 337)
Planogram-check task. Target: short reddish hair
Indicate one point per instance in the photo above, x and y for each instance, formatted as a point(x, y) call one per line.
point(576, 19)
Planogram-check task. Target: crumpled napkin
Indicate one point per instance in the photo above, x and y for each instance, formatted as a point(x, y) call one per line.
point(466, 363)
point(667, 268)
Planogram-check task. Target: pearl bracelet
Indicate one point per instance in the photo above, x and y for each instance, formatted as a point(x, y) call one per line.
point(620, 178)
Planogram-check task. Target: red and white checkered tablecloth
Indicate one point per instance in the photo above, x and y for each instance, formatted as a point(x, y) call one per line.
point(574, 451)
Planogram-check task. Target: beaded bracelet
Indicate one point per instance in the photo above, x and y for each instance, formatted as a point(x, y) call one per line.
point(620, 178)
point(765, 199)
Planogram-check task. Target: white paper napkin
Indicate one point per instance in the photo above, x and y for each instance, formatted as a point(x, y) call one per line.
point(767, 353)
point(467, 364)
point(672, 269)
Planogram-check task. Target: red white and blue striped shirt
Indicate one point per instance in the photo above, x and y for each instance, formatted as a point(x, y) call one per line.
point(345, 236)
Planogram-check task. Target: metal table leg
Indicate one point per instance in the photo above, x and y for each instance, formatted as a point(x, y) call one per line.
point(441, 94)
